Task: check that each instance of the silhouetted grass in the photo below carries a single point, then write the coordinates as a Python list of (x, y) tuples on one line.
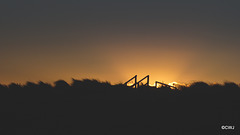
[(93, 107)]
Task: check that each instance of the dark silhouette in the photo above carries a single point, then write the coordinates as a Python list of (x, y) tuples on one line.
[(61, 84), (90, 106)]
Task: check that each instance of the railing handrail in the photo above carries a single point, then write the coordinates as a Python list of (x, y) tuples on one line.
[(164, 84), (143, 79), (135, 77)]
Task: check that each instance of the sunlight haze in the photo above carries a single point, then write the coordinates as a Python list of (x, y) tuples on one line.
[(170, 41)]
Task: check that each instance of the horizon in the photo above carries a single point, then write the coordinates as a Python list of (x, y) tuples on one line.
[(151, 82)]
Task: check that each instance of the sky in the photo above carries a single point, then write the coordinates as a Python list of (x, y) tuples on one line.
[(113, 40)]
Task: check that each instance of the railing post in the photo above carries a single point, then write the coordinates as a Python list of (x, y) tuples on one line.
[(135, 84), (147, 80)]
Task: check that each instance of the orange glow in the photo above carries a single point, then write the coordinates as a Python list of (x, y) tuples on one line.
[(172, 83), (117, 59)]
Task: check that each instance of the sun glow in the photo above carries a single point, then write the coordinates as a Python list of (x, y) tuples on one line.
[(172, 83)]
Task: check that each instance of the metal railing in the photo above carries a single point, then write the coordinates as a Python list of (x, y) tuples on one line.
[(137, 83)]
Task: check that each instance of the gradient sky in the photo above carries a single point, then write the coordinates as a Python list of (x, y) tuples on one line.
[(113, 40)]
